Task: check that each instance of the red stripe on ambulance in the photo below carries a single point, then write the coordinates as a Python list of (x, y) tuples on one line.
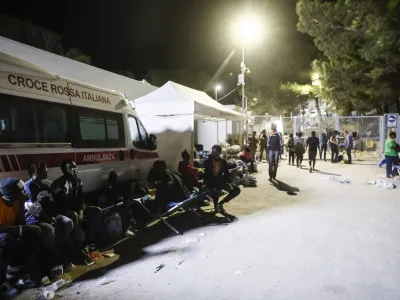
[(14, 163), (20, 162), (6, 164)]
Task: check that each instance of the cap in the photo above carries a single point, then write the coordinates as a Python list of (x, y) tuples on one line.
[(8, 187)]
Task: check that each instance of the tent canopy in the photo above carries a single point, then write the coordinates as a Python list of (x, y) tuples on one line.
[(173, 99), (75, 70)]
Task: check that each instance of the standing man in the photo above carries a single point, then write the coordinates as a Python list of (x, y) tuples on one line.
[(263, 143), (253, 142), (349, 144), (217, 178), (274, 145), (324, 144), (391, 155), (312, 144)]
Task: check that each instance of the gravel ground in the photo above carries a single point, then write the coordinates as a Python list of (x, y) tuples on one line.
[(307, 237)]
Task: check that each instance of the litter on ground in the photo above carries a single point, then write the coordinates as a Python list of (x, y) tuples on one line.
[(105, 281), (237, 273), (159, 268), (338, 180)]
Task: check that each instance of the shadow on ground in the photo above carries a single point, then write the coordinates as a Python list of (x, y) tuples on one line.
[(132, 249), (284, 187)]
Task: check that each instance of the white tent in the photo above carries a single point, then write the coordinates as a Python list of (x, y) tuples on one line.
[(170, 112), (75, 70)]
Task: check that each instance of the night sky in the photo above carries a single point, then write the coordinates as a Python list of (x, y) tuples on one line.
[(158, 34)]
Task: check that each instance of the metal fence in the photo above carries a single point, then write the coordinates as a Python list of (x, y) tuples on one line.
[(365, 129)]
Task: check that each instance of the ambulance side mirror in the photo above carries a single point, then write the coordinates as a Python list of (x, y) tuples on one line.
[(152, 142)]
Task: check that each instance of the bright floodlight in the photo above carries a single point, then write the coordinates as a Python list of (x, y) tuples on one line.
[(248, 29), (218, 87)]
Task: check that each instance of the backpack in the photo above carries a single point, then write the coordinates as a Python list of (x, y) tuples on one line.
[(111, 229)]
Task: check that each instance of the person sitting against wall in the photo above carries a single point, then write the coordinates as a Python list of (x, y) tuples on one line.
[(169, 186), (246, 157), (217, 178), (42, 210), (20, 244), (68, 194)]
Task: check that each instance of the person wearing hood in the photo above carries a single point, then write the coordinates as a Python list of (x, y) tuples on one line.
[(19, 243)]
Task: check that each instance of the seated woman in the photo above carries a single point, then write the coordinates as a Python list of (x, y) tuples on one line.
[(169, 185), (190, 174), (245, 156)]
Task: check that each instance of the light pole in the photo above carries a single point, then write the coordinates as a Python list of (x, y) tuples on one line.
[(217, 88), (248, 29)]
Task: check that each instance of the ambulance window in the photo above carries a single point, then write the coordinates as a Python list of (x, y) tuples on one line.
[(18, 120), (92, 128), (112, 129), (134, 129), (53, 124), (98, 129), (138, 134)]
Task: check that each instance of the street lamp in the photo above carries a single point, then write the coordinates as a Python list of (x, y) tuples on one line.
[(248, 29), (217, 88)]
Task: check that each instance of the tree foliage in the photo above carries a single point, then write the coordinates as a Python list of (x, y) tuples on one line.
[(39, 37), (360, 42)]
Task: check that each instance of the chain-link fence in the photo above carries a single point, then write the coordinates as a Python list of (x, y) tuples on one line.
[(366, 130)]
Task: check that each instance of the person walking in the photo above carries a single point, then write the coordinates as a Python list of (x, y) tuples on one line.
[(349, 144), (324, 144), (274, 145), (253, 143), (312, 145), (263, 143), (299, 148), (391, 155), (334, 147), (291, 149)]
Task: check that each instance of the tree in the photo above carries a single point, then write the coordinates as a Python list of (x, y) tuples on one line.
[(193, 79), (39, 37), (75, 54), (360, 43)]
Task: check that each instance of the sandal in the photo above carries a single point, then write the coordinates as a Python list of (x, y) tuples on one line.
[(25, 283), (7, 292)]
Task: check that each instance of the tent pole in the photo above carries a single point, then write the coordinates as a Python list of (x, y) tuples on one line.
[(226, 139)]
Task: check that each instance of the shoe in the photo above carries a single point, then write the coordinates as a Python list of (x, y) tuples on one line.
[(7, 291), (219, 209), (128, 233), (205, 203), (310, 170), (25, 283), (68, 267), (87, 260)]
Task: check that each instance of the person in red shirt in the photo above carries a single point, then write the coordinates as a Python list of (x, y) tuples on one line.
[(245, 156), (190, 174)]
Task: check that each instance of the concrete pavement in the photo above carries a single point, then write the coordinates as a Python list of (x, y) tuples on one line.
[(323, 240)]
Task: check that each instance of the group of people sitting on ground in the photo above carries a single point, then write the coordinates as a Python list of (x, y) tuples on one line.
[(45, 229)]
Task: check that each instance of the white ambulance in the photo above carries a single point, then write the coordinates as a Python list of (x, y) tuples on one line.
[(49, 118)]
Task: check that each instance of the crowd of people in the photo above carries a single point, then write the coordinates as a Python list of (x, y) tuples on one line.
[(274, 144), (45, 230)]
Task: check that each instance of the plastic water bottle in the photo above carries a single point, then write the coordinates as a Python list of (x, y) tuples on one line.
[(58, 285)]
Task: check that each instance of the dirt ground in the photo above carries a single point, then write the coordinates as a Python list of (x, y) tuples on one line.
[(295, 190)]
